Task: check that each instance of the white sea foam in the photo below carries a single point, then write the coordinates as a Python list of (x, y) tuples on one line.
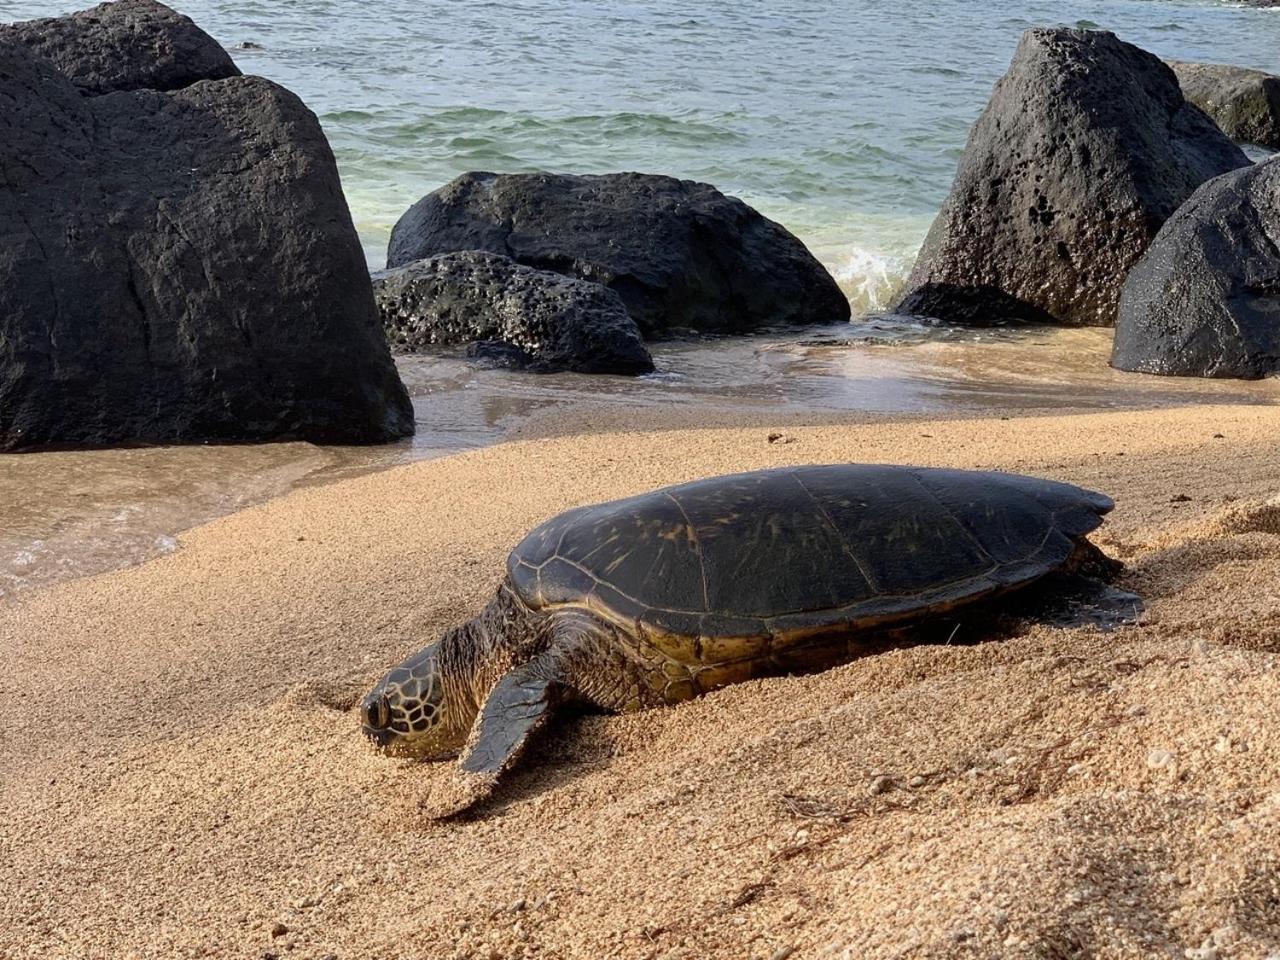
[(871, 278)]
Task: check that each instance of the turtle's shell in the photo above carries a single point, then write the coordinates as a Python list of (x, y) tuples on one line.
[(795, 551)]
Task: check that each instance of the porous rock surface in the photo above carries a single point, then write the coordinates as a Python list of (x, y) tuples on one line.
[(1204, 300), (1244, 103), (180, 267), (125, 45), (512, 314), (1085, 149), (681, 254)]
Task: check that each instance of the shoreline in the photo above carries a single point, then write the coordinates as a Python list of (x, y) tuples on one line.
[(182, 768), (78, 513)]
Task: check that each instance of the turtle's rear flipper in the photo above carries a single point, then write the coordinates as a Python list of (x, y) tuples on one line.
[(1082, 594), (1074, 600), (518, 705)]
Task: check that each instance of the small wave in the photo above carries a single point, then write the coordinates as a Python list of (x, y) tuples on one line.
[(871, 279)]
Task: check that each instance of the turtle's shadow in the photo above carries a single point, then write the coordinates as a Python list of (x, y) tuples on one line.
[(1061, 599)]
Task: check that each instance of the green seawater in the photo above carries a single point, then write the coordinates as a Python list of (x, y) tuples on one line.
[(841, 120)]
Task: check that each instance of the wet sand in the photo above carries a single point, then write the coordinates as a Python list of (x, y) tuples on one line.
[(181, 776), (76, 513)]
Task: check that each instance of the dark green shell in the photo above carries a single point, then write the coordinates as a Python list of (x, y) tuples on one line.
[(804, 548)]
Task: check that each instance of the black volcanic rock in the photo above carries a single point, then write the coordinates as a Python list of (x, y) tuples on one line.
[(1084, 150), (180, 267), (125, 45), (681, 254), (1204, 301), (544, 321), (1244, 103)]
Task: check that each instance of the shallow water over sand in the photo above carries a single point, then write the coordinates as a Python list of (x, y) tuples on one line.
[(69, 514)]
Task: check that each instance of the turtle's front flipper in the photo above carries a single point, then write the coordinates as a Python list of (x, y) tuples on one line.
[(517, 706)]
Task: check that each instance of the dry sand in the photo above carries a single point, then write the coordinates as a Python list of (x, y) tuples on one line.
[(181, 774)]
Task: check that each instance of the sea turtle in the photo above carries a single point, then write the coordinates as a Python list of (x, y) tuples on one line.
[(659, 598)]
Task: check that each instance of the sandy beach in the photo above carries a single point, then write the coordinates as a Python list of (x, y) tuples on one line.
[(181, 773)]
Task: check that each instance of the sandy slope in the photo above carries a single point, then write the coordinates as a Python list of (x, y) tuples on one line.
[(180, 773)]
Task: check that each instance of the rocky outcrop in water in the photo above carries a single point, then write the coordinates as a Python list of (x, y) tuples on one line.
[(1244, 103), (680, 254), (1084, 150), (126, 45), (178, 267), (1204, 301), (518, 316)]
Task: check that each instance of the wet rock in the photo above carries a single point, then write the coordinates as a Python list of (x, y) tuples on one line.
[(126, 45), (512, 315), (1084, 150), (180, 266), (1204, 301), (680, 254), (1244, 103)]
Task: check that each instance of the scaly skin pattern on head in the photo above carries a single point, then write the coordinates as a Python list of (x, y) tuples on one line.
[(485, 687)]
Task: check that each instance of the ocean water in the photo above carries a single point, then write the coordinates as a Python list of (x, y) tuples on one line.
[(842, 119)]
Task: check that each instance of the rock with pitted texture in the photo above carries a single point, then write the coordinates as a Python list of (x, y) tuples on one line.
[(125, 45), (1244, 103), (180, 267), (1084, 150), (682, 255), (1204, 301), (517, 316)]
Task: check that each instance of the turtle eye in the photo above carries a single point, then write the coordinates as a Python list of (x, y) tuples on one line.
[(377, 712)]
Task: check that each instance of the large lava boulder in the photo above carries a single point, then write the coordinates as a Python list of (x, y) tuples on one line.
[(1244, 103), (543, 321), (178, 267), (682, 255), (1085, 149), (126, 45), (1204, 301)]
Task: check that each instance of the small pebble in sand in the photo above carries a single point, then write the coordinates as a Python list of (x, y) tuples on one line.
[(782, 953), (880, 785), (916, 781), (780, 438), (1159, 759), (1179, 498), (278, 930)]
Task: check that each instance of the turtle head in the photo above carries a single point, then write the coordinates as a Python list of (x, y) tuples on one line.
[(410, 713)]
